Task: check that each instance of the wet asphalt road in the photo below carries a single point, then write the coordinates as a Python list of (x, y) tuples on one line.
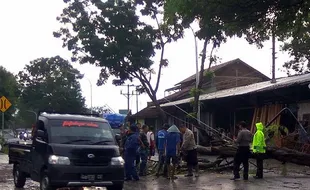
[(207, 181)]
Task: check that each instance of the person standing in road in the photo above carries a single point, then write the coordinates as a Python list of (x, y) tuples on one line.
[(172, 150), (259, 149), (189, 150), (151, 141), (243, 141), (144, 150), (131, 146), (160, 144), (123, 134), (138, 159)]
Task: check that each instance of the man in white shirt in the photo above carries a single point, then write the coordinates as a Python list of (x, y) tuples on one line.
[(151, 140)]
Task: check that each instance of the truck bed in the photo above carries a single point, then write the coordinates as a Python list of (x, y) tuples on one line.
[(21, 154)]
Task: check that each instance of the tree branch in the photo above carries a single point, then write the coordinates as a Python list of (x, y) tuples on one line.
[(203, 60), (142, 75), (160, 68), (161, 54), (144, 84), (150, 75), (211, 55)]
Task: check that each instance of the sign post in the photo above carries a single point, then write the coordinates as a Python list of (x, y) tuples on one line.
[(5, 104)]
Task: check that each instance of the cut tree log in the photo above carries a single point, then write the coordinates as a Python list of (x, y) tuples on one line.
[(224, 150), (280, 154)]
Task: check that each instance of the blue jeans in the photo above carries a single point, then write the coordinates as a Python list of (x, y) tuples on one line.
[(130, 170), (143, 156)]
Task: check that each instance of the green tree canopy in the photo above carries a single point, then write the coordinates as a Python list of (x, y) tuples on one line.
[(50, 84), (115, 38), (256, 20), (9, 89)]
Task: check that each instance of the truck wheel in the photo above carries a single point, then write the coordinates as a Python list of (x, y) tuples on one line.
[(116, 187), (19, 177), (45, 183)]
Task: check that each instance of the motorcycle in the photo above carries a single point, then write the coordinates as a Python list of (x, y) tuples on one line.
[(23, 136)]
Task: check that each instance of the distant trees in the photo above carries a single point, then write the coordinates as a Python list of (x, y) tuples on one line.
[(9, 89), (49, 84)]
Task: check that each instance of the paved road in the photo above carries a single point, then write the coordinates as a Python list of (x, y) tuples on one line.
[(207, 181)]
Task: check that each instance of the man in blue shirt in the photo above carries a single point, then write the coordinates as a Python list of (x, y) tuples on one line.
[(172, 149), (131, 146), (160, 144)]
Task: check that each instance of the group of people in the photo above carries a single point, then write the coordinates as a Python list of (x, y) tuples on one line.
[(171, 142), (175, 143), (243, 140)]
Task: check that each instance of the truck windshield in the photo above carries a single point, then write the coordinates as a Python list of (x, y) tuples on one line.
[(80, 132)]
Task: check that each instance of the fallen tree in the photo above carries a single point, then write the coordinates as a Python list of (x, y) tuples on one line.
[(280, 154)]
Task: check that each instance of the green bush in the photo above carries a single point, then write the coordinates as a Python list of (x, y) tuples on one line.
[(1, 141), (274, 131), (4, 149)]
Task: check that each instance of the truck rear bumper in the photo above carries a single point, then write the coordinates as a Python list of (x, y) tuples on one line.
[(86, 176)]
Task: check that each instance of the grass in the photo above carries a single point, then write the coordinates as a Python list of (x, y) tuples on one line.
[(5, 149)]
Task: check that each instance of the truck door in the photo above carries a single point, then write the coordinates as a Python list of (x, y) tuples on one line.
[(39, 151)]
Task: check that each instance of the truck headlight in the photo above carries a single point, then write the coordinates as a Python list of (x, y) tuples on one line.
[(117, 161), (59, 160)]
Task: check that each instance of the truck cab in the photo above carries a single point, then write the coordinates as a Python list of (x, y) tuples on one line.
[(69, 150)]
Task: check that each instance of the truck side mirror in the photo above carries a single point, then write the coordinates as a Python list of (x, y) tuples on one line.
[(118, 137), (40, 134)]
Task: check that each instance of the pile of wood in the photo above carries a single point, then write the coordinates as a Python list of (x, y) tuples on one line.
[(265, 114)]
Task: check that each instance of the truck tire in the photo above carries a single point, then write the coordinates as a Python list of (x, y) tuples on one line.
[(45, 183), (116, 187), (19, 177)]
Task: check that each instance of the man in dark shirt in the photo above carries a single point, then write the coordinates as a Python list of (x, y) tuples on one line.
[(138, 159), (243, 141), (144, 150), (131, 145)]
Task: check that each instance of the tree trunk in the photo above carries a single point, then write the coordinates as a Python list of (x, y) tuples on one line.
[(280, 154), (202, 132), (201, 73), (162, 113)]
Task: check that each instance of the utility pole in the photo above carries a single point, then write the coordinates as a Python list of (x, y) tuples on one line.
[(273, 67), (127, 95), (136, 93), (197, 79)]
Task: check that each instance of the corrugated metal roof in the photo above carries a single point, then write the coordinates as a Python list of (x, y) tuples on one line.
[(257, 87)]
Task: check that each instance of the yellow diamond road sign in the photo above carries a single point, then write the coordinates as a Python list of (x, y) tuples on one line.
[(5, 104)]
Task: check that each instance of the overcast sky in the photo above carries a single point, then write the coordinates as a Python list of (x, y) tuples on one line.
[(26, 34)]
